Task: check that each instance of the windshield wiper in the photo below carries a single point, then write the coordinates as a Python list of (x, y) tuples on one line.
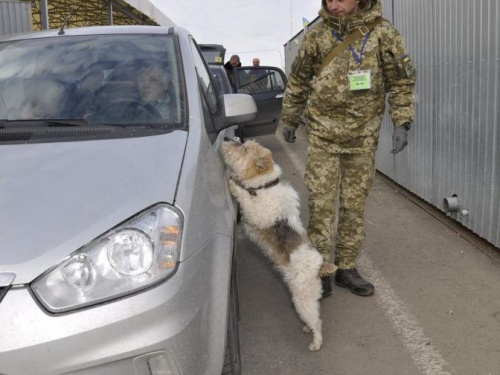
[(58, 123), (31, 123)]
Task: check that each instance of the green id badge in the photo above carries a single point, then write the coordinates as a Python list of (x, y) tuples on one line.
[(360, 80)]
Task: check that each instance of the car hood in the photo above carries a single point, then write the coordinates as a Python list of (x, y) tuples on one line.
[(56, 197)]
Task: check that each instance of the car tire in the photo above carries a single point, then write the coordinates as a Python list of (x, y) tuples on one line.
[(232, 359)]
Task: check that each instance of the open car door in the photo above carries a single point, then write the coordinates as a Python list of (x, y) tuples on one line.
[(266, 84)]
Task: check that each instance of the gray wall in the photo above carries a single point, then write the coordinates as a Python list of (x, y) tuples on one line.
[(15, 17), (454, 145)]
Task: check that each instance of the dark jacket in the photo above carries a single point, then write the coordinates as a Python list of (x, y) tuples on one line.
[(230, 72)]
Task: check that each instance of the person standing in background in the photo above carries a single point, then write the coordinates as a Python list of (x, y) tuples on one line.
[(234, 62)]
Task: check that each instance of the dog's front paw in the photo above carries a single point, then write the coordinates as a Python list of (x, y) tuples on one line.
[(232, 186)]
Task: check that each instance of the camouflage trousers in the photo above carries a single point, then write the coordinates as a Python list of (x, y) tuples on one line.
[(337, 182)]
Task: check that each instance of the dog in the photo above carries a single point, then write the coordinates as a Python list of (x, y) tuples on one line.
[(270, 210)]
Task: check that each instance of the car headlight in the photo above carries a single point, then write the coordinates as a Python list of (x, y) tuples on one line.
[(135, 255)]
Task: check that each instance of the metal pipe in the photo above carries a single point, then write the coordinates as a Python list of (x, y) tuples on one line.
[(110, 12), (451, 204), (119, 7), (44, 15)]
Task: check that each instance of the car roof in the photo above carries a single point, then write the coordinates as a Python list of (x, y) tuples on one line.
[(97, 30)]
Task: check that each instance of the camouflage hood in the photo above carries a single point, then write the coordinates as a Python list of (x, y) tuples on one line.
[(347, 24)]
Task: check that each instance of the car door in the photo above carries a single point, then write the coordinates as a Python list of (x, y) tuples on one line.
[(266, 84), (212, 120)]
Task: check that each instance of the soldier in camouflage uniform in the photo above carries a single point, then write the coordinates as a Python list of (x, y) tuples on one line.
[(343, 124)]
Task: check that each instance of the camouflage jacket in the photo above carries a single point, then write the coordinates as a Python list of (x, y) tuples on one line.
[(350, 119)]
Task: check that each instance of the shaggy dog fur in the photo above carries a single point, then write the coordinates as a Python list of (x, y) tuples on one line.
[(271, 219)]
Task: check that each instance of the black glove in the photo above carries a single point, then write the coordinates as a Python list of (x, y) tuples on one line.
[(289, 134), (399, 138)]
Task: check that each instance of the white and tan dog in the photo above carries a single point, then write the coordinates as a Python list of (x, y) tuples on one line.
[(271, 219)]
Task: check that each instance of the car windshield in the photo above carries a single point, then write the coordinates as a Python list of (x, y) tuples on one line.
[(123, 80), (212, 56), (213, 53)]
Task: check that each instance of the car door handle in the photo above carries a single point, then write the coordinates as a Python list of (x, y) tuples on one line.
[(280, 96)]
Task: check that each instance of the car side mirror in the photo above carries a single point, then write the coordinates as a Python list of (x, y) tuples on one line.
[(239, 108)]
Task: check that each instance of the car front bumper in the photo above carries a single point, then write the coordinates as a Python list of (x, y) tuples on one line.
[(177, 326)]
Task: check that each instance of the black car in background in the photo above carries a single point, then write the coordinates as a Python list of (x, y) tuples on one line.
[(266, 84)]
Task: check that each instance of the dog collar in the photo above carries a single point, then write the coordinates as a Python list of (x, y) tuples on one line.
[(253, 190)]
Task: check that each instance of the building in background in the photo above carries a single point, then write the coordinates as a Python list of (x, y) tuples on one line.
[(21, 16), (453, 157), (15, 17)]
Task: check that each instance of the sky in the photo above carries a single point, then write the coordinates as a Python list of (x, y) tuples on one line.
[(250, 28)]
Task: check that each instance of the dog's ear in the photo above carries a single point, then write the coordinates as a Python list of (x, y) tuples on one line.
[(261, 163)]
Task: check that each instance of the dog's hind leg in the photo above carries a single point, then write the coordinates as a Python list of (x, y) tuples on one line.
[(301, 275), (308, 311)]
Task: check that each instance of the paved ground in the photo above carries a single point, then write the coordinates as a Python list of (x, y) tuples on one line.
[(436, 310)]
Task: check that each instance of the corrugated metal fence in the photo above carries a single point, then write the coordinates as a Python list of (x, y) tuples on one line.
[(454, 145), (15, 17)]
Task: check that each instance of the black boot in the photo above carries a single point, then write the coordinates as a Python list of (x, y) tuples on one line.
[(326, 284), (350, 278)]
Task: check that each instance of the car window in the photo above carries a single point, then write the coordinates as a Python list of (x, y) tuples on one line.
[(213, 53), (208, 93), (212, 57), (258, 80), (104, 79), (204, 78), (221, 79), (277, 81)]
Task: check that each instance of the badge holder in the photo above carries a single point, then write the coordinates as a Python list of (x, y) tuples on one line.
[(360, 80)]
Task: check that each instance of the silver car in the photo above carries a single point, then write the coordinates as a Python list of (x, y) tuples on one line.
[(116, 224)]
